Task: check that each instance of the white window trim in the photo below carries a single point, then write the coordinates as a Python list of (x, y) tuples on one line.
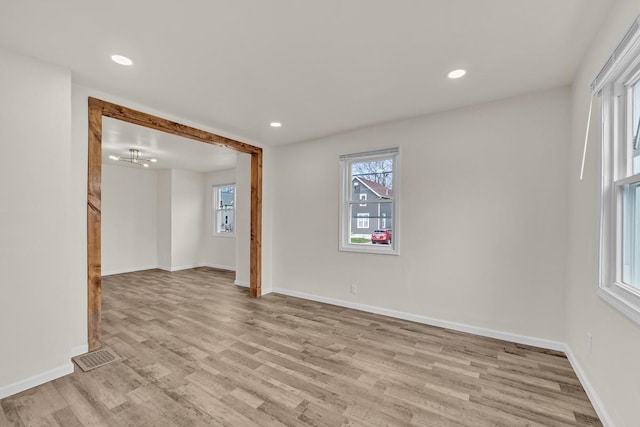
[(346, 160), (611, 85), (216, 209), (362, 198)]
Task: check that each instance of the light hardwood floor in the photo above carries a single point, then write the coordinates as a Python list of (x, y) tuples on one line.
[(197, 351)]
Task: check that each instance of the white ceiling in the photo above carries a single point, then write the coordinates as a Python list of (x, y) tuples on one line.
[(172, 152), (320, 67)]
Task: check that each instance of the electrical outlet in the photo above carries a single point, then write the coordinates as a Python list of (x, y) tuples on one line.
[(354, 288), (589, 342)]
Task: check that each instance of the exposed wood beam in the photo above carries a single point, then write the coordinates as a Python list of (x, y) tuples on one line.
[(98, 109)]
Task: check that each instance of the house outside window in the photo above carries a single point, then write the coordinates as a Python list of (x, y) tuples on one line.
[(372, 226), (363, 220), (617, 88), (224, 210)]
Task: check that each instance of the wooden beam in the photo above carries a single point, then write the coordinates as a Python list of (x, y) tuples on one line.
[(94, 256), (99, 108), (147, 120), (255, 268)]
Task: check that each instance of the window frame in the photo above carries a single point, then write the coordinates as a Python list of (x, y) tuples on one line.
[(346, 162), (216, 203), (614, 88)]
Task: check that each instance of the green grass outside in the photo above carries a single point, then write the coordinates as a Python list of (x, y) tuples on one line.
[(360, 240)]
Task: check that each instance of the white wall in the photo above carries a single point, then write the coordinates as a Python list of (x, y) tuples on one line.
[(129, 210), (187, 218), (163, 230), (35, 286), (217, 250), (483, 217), (243, 218), (613, 366)]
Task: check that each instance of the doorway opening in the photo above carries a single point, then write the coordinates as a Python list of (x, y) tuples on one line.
[(99, 109)]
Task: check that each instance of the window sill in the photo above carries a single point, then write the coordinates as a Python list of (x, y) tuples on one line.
[(224, 235), (380, 250), (622, 302)]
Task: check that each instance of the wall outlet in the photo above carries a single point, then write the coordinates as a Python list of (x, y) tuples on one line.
[(589, 342), (354, 288)]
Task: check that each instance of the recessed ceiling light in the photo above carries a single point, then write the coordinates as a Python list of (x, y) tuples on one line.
[(456, 74), (153, 160), (146, 165), (112, 157), (122, 60), (276, 124)]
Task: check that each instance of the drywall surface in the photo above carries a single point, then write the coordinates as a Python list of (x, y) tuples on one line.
[(612, 365), (243, 217), (187, 218), (129, 211), (35, 285), (483, 217), (163, 225), (217, 250)]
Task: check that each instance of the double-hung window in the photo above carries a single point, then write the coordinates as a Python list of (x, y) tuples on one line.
[(224, 201), (618, 90), (369, 192)]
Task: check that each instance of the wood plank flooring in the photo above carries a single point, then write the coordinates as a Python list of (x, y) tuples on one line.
[(197, 351)]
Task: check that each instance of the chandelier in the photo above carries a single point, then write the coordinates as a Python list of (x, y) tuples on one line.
[(134, 158)]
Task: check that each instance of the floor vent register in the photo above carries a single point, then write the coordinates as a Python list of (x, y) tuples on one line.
[(96, 359)]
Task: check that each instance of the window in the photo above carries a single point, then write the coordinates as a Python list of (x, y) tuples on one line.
[(363, 220), (618, 89), (372, 176), (224, 201)]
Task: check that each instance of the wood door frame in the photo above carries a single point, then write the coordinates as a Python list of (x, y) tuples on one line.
[(98, 109)]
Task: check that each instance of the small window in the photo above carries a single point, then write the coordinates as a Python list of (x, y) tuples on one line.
[(224, 201), (363, 220), (372, 177), (618, 90)]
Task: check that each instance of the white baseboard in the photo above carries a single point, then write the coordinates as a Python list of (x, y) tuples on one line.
[(165, 268), (184, 267), (219, 266), (604, 416), (36, 380), (127, 270), (81, 349), (181, 267), (491, 333), (265, 291)]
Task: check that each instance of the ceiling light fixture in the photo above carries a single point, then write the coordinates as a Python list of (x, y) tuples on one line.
[(456, 74), (134, 158), (122, 60), (276, 124)]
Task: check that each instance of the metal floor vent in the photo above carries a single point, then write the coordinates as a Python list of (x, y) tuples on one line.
[(95, 359)]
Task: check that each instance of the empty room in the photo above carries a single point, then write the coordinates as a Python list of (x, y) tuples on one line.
[(325, 213)]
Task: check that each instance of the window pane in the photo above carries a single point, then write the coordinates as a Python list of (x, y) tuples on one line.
[(371, 224), (225, 197), (223, 205), (372, 179), (631, 235), (635, 120), (225, 220)]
